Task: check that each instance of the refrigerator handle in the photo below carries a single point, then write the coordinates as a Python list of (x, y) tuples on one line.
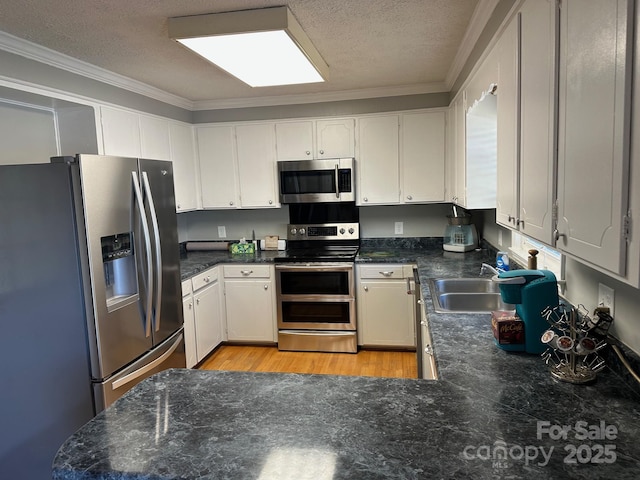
[(148, 367), (147, 244), (158, 259)]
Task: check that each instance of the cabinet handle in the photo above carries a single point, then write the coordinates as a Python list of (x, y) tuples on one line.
[(420, 302), (386, 274), (270, 202), (308, 152), (428, 350), (246, 272), (409, 290), (409, 197), (190, 305), (519, 222), (207, 279), (266, 287), (198, 302), (365, 199), (321, 152), (231, 203), (366, 289), (557, 235)]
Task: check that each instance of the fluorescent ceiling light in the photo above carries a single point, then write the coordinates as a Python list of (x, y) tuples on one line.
[(262, 48)]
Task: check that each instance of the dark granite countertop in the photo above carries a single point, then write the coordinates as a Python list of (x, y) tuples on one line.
[(492, 414)]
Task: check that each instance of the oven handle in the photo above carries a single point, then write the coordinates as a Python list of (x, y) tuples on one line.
[(315, 333), (337, 182), (331, 267)]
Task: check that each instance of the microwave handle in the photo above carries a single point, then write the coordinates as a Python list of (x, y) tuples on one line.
[(337, 182)]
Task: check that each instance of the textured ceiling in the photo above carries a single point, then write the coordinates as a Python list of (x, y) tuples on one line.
[(368, 44)]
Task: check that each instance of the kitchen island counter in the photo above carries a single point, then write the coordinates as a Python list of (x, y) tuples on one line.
[(492, 414)]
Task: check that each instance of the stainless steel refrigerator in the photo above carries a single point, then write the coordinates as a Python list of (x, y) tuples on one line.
[(90, 298)]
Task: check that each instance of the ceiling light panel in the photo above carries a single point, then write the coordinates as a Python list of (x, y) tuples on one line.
[(263, 47)]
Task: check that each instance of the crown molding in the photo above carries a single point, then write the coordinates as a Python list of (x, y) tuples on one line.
[(481, 15), (59, 60), (322, 97)]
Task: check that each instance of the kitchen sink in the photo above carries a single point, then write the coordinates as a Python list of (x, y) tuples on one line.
[(466, 295)]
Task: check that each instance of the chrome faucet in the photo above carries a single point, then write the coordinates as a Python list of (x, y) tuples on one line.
[(488, 268)]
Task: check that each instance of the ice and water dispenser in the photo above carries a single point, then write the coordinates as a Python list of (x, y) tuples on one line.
[(119, 270)]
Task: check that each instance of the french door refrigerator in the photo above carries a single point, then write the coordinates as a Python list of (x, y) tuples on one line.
[(90, 295)]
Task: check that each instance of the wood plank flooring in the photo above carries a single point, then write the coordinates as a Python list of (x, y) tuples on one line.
[(368, 363)]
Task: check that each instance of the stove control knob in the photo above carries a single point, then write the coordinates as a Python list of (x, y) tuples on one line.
[(351, 230), (302, 231), (293, 231), (342, 230)]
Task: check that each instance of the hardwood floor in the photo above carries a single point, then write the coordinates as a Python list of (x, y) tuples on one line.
[(368, 363)]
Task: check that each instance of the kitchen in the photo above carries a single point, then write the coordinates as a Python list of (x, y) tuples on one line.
[(28, 82)]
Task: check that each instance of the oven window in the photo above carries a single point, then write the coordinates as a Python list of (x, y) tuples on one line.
[(313, 181), (314, 283), (316, 312)]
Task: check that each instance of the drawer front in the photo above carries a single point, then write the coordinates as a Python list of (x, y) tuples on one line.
[(381, 271), (204, 278), (247, 271), (186, 287)]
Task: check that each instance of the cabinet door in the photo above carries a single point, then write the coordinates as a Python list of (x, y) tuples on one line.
[(294, 140), (154, 138), (184, 167), (507, 190), (537, 118), (458, 129), (378, 162), (249, 305), (257, 165), (335, 138), (189, 331), (595, 66), (422, 158), (217, 159), (386, 313), (207, 319), (120, 132)]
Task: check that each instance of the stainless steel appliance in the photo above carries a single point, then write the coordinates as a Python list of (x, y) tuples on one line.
[(90, 299), (315, 280), (310, 181)]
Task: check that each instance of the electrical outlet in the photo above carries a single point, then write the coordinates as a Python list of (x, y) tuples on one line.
[(399, 228), (222, 231), (606, 297)]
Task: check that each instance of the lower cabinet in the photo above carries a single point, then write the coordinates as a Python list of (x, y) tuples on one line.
[(250, 303), (386, 312), (427, 368), (202, 316)]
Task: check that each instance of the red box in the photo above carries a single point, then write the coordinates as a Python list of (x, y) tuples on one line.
[(508, 328)]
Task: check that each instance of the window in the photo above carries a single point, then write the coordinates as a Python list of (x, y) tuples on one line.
[(548, 258)]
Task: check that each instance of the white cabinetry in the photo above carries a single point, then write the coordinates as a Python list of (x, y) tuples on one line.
[(250, 303), (314, 139), (386, 312), (183, 156), (378, 160), (154, 138), (526, 121), (401, 158), (455, 173), (237, 166), (120, 132), (201, 303), (256, 155), (422, 156), (594, 121)]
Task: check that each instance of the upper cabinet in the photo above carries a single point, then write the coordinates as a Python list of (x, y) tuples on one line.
[(594, 124), (182, 144), (130, 134), (313, 139), (237, 166), (401, 158), (527, 57)]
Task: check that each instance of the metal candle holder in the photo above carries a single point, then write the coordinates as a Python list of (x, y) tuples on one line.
[(574, 342)]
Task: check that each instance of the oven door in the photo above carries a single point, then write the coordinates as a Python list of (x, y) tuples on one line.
[(316, 296), (313, 181)]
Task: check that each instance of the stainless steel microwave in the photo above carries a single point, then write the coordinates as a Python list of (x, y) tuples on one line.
[(315, 181)]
